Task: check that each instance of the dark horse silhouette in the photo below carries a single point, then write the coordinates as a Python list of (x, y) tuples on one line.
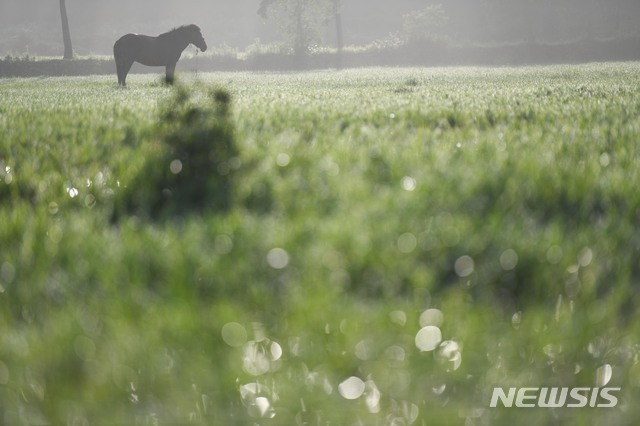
[(163, 50)]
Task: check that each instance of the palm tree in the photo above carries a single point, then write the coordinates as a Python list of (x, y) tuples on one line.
[(66, 35)]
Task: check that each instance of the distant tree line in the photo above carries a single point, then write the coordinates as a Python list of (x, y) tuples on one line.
[(408, 54), (302, 23)]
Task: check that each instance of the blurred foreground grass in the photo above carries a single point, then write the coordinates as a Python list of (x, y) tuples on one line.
[(394, 244)]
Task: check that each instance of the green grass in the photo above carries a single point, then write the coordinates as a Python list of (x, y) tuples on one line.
[(504, 198)]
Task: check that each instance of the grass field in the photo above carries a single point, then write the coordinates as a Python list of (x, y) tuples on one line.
[(375, 246)]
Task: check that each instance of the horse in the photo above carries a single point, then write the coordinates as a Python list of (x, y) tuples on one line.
[(163, 50)]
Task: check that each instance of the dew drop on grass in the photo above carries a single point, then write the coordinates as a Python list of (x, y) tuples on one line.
[(100, 179), (398, 317), (428, 338), (573, 269), (439, 390), (263, 405), (255, 360), (603, 375), (351, 388), (409, 412), (408, 183), (255, 397), (283, 160), (175, 166), (364, 349), (90, 201), (431, 317), (223, 244), (585, 257), (6, 174), (450, 355), (516, 319), (395, 353), (234, 334), (509, 260), (464, 266), (372, 397), (276, 351), (260, 357), (407, 243), (278, 258), (597, 347), (73, 192)]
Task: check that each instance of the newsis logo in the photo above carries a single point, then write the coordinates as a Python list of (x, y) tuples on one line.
[(553, 397)]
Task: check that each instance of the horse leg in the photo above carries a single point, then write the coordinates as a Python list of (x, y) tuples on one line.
[(170, 70), (123, 65), (119, 67)]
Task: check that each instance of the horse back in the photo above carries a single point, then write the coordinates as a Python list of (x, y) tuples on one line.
[(141, 48)]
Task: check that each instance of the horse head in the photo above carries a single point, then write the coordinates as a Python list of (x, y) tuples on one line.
[(196, 37)]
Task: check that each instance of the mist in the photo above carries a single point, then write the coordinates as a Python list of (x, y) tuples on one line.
[(32, 27)]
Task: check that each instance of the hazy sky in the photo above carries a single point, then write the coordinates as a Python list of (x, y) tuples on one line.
[(96, 24), (33, 26)]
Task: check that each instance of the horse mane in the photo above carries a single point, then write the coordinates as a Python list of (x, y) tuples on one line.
[(181, 29)]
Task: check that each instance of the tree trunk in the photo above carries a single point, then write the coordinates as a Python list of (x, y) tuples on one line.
[(66, 35)]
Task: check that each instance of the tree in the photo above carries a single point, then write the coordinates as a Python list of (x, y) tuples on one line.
[(300, 22), (422, 24), (66, 34)]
